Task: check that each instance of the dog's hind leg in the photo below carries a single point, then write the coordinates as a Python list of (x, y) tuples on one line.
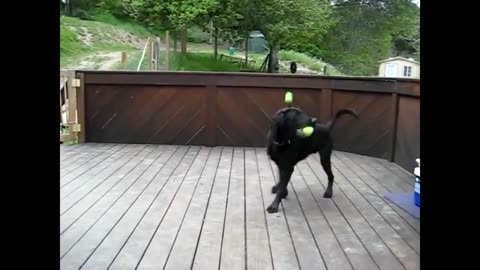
[(281, 189), (325, 157)]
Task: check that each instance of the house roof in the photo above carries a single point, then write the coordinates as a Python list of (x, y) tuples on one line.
[(399, 58)]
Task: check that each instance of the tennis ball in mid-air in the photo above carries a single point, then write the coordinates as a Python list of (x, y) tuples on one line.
[(288, 97)]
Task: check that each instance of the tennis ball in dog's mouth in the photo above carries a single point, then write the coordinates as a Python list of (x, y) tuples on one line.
[(307, 131), (288, 97)]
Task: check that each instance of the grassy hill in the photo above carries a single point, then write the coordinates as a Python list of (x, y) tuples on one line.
[(98, 43)]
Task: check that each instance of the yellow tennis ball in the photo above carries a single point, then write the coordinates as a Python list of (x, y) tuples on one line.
[(307, 131), (288, 97)]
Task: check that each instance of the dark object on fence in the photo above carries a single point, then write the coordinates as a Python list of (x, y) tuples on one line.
[(293, 67), (324, 70)]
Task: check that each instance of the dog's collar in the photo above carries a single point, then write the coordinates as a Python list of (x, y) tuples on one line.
[(282, 144)]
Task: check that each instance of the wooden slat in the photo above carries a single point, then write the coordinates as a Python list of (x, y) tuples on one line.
[(306, 246), (79, 253), (282, 247), (207, 254), (332, 253), (103, 181), (233, 245), (158, 249), (394, 123), (355, 174), (81, 108), (354, 249), (107, 250), (86, 213), (407, 256), (168, 207), (72, 175), (246, 80), (259, 254), (132, 251), (383, 256), (182, 253), (87, 181), (73, 156)]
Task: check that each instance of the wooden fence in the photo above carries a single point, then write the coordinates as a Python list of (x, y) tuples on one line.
[(234, 109)]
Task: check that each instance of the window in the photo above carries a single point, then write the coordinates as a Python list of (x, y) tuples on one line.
[(407, 71), (390, 70)]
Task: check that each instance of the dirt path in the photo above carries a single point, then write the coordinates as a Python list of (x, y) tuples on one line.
[(98, 61)]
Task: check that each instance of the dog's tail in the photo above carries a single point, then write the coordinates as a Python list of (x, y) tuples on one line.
[(341, 112)]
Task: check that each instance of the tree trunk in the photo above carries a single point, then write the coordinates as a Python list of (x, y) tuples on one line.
[(273, 66), (183, 37), (215, 45), (246, 49), (175, 43)]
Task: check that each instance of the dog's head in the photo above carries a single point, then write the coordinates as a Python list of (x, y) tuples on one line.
[(285, 124)]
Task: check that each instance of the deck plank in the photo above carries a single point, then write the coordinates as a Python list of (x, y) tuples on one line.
[(158, 250), (106, 251), (89, 208), (354, 249), (394, 241), (207, 255), (83, 168), (171, 177), (125, 206), (381, 190), (233, 245), (328, 244), (377, 248), (182, 253), (259, 255), (77, 160), (355, 177), (107, 211), (283, 249), (308, 253), (88, 180)]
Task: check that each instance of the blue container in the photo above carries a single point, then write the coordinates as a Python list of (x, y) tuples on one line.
[(417, 184)]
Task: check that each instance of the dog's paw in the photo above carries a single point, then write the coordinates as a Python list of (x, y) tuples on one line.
[(274, 189), (272, 208), (327, 195)]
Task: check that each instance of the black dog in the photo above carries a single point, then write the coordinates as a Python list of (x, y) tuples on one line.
[(286, 147)]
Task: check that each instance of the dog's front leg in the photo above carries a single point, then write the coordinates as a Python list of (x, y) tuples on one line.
[(281, 190)]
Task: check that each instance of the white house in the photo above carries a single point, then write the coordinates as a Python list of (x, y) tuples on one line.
[(399, 67)]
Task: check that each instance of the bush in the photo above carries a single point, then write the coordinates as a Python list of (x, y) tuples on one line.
[(82, 15), (196, 35)]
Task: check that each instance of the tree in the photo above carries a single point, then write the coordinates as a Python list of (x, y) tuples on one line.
[(365, 33), (286, 21), (175, 15)]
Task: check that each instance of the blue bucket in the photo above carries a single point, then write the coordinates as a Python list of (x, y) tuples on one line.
[(417, 184)]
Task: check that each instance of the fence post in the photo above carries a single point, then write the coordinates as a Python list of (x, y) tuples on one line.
[(81, 108), (72, 85), (150, 55), (327, 100), (211, 114), (394, 123), (124, 60)]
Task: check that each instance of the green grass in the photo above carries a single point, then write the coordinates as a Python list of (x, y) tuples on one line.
[(200, 61), (110, 35), (128, 26), (308, 61)]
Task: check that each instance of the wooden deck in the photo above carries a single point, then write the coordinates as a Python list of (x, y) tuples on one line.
[(182, 207)]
